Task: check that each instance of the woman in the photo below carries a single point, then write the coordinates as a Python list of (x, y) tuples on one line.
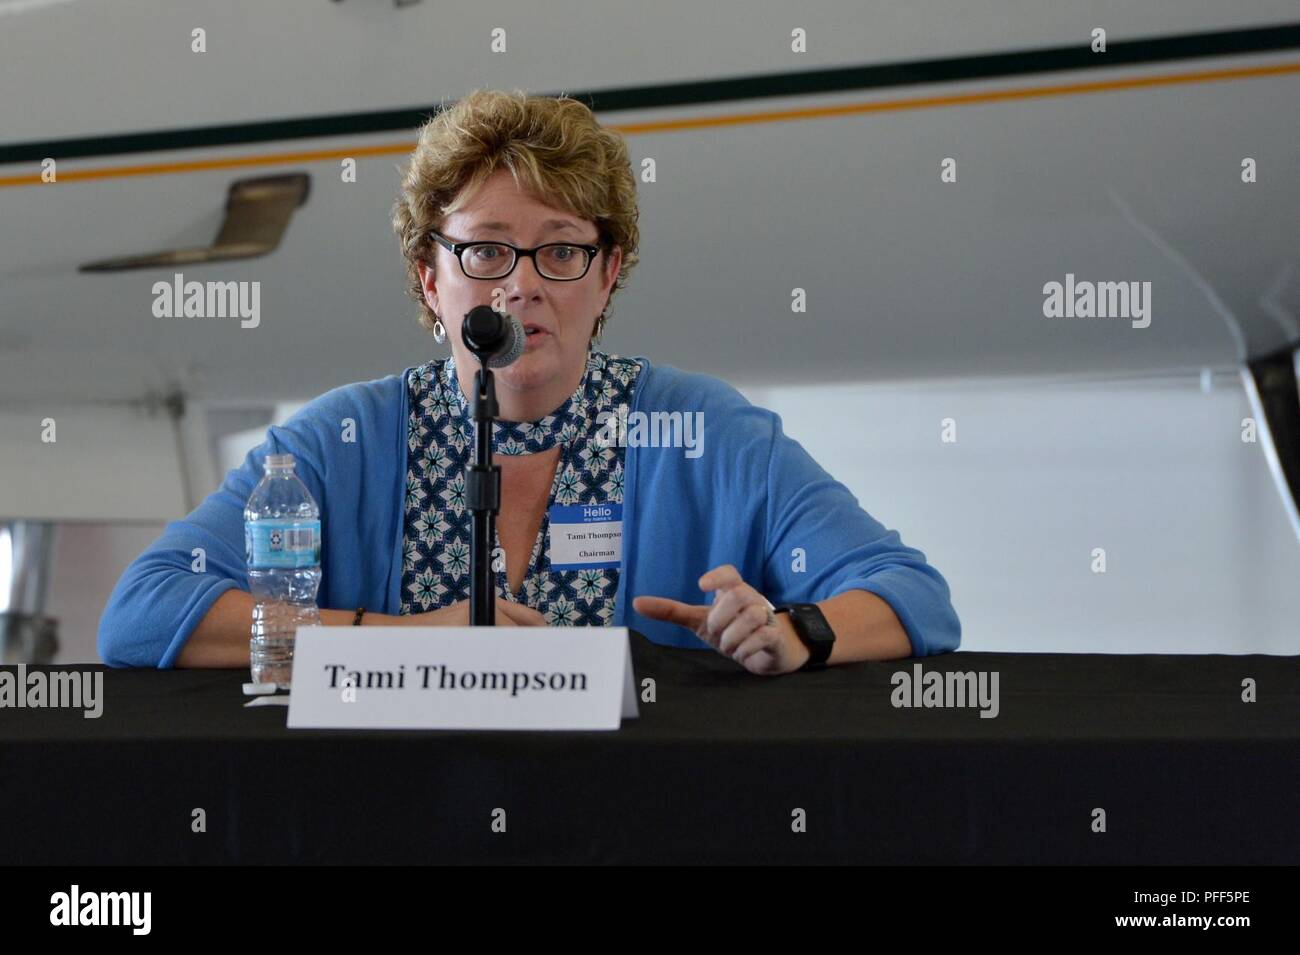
[(527, 204)]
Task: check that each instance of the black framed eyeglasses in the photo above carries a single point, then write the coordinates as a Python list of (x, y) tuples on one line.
[(558, 261)]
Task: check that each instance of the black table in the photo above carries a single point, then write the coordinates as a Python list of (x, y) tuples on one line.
[(712, 771)]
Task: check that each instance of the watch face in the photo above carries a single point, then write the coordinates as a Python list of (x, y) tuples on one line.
[(811, 624)]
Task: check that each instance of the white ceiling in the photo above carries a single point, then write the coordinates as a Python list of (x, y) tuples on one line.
[(906, 277)]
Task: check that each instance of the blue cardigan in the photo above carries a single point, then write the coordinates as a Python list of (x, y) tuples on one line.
[(754, 499)]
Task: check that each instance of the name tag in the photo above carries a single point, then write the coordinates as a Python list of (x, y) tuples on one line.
[(474, 678), (585, 535)]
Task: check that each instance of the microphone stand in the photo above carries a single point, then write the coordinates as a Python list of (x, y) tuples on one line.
[(483, 495)]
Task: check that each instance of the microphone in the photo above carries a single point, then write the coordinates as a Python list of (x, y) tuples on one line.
[(496, 340)]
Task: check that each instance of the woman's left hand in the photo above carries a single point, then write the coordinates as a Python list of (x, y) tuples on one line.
[(735, 624)]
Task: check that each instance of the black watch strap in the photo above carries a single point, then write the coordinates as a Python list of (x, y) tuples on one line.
[(810, 624)]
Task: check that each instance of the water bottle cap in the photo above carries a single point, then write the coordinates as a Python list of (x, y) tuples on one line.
[(279, 461)]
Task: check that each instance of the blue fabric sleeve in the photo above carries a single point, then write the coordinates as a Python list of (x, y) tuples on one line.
[(845, 548), (160, 598)]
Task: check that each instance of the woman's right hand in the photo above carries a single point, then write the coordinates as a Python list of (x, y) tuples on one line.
[(508, 614)]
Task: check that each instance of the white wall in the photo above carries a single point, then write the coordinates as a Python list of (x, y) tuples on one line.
[(1200, 555), (102, 459)]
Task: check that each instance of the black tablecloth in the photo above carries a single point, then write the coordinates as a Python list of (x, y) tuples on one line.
[(713, 771)]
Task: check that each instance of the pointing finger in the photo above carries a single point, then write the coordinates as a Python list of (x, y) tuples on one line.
[(672, 611)]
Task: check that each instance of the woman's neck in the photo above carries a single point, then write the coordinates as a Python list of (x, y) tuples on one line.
[(523, 404)]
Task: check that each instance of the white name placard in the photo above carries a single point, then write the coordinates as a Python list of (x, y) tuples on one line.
[(481, 678)]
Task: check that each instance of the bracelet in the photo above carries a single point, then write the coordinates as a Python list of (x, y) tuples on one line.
[(356, 621)]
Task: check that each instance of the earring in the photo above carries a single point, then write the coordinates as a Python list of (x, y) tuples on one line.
[(439, 330)]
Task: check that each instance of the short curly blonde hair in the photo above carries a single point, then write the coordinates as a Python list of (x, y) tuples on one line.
[(553, 147)]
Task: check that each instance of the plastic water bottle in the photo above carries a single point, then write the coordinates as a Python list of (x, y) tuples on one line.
[(282, 548)]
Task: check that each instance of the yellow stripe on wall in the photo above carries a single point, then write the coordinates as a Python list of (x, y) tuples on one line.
[(705, 122)]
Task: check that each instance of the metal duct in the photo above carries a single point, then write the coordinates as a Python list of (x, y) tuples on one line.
[(27, 635)]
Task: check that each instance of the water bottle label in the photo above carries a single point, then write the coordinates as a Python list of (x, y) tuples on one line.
[(282, 543)]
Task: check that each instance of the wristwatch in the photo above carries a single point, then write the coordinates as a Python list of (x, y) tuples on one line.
[(811, 626)]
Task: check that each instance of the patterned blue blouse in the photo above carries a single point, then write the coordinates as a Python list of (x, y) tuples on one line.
[(440, 441)]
